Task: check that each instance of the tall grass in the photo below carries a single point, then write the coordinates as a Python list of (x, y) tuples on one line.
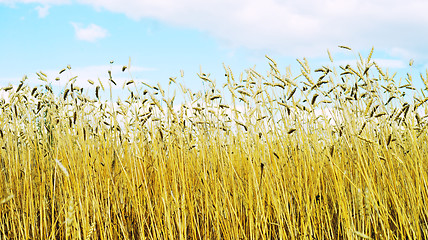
[(335, 153)]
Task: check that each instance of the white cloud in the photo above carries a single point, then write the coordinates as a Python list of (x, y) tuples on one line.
[(94, 73), (390, 63), (305, 27), (12, 3), (401, 53), (383, 63), (83, 74), (4, 81), (42, 11), (91, 33), (290, 27)]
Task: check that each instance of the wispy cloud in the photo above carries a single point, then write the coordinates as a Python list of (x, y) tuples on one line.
[(91, 33), (290, 27), (42, 11), (305, 27), (390, 63), (384, 63), (94, 73), (13, 3)]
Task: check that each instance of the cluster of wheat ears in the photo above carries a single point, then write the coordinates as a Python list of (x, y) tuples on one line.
[(337, 153)]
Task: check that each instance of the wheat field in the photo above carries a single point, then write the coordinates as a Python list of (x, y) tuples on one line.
[(334, 152)]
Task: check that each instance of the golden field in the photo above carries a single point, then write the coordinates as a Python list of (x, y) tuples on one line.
[(335, 152)]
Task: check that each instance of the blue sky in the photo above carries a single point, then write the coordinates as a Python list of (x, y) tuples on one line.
[(165, 36)]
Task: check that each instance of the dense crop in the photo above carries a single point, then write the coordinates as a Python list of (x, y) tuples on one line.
[(338, 152)]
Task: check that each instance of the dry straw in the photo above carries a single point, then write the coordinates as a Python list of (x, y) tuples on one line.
[(334, 153)]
